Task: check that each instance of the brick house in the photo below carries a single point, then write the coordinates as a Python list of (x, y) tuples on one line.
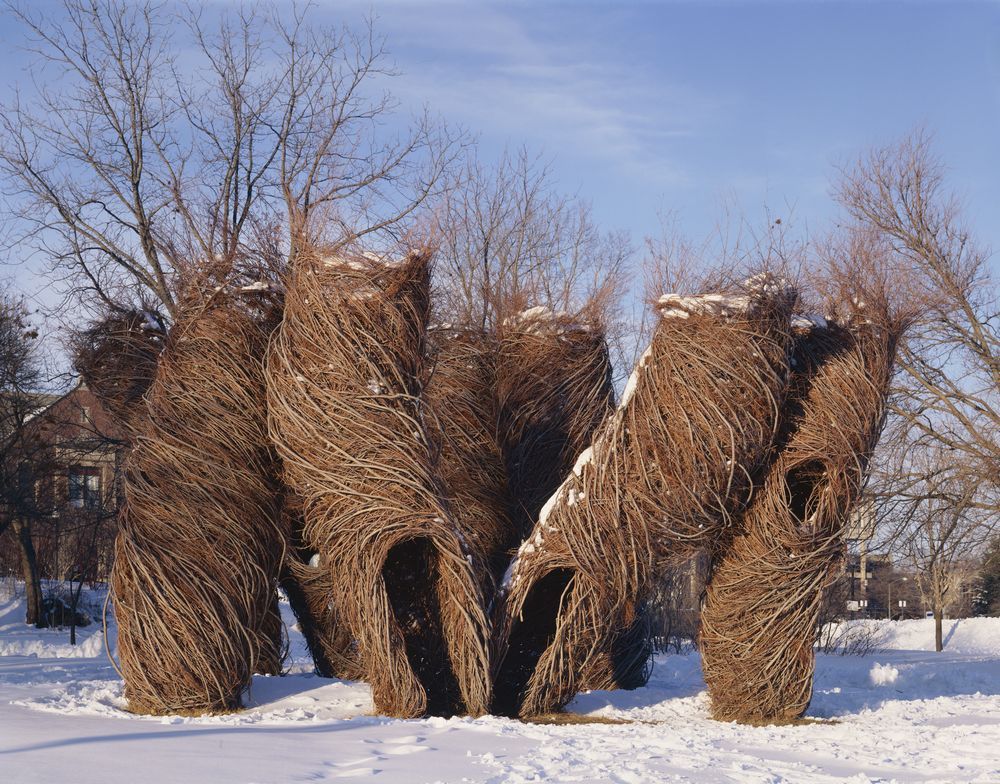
[(62, 461)]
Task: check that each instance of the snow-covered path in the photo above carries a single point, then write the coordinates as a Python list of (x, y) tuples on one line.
[(903, 714)]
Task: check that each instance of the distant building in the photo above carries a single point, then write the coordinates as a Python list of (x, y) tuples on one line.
[(857, 567), (62, 460), (873, 586)]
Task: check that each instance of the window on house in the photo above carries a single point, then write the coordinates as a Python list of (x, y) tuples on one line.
[(84, 487)]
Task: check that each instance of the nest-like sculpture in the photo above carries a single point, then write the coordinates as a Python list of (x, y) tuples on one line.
[(349, 424), (663, 478), (553, 386), (116, 358), (460, 394), (763, 599), (199, 544)]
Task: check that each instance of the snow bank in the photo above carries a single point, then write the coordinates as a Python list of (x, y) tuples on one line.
[(19, 639), (967, 636), (90, 644)]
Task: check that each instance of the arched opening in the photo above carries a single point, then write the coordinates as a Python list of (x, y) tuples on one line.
[(801, 482), (410, 574), (530, 635)]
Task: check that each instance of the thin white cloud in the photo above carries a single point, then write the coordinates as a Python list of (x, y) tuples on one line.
[(482, 66)]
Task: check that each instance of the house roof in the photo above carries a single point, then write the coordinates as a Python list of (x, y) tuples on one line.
[(30, 405)]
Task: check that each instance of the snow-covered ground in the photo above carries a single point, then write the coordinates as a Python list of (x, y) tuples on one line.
[(904, 713)]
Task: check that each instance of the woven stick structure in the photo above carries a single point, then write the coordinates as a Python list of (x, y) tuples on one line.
[(309, 588), (349, 424), (116, 357), (460, 394), (763, 599), (199, 542), (553, 385), (663, 478)]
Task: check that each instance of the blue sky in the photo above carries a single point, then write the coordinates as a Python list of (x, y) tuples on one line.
[(682, 107)]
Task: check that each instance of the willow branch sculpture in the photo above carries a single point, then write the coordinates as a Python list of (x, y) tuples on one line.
[(383, 473), (553, 387), (116, 357), (763, 598), (309, 588), (347, 418), (460, 395), (662, 479), (199, 544)]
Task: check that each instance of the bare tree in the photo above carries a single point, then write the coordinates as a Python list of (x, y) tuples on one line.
[(948, 395), (987, 601), (675, 605), (22, 452), (507, 239), (936, 475), (134, 158), (738, 246), (946, 531)]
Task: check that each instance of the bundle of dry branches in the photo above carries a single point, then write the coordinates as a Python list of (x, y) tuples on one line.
[(663, 478), (116, 357), (199, 544), (346, 415), (553, 385), (764, 596)]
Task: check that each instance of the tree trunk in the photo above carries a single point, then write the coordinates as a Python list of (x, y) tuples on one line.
[(29, 570), (938, 637), (75, 602)]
